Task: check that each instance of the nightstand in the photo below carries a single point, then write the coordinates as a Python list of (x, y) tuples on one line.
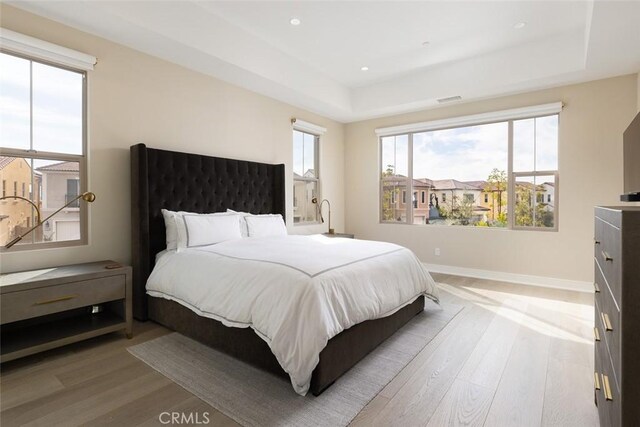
[(343, 235), (49, 308)]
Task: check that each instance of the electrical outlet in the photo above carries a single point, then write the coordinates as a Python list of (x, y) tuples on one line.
[(437, 251)]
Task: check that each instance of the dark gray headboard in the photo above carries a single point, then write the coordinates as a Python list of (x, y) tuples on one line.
[(195, 183)]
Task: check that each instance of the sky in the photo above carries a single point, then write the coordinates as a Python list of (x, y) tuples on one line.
[(471, 153), (57, 107), (303, 152)]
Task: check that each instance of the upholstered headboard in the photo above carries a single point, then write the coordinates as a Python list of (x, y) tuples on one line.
[(195, 183)]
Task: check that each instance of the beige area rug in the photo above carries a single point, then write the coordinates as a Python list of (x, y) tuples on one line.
[(256, 398)]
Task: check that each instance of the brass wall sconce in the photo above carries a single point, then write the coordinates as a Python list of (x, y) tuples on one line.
[(87, 197)]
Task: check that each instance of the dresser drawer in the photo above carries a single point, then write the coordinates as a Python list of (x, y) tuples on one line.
[(607, 321), (607, 253), (609, 398), (30, 303)]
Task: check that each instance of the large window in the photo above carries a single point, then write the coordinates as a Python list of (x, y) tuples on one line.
[(498, 174), (42, 151), (306, 179)]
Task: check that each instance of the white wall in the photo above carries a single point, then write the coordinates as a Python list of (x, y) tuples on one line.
[(590, 168), (135, 98)]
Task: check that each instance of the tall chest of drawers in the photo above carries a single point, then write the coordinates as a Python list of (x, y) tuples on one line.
[(617, 315)]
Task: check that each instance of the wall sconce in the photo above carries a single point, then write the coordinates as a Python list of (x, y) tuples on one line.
[(87, 197)]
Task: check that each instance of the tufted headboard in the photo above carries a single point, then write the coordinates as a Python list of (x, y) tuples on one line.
[(195, 183)]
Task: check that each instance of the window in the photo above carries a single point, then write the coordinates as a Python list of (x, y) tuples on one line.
[(4, 187), (422, 198), (510, 164), (306, 179), (42, 138)]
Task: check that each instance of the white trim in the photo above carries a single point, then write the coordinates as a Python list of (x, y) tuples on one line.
[(474, 119), (303, 126), (40, 49), (524, 279)]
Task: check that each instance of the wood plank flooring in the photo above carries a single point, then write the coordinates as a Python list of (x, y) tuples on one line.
[(515, 356)]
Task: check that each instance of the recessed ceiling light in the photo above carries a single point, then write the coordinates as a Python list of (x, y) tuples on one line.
[(426, 43), (519, 25), (365, 68), (294, 21)]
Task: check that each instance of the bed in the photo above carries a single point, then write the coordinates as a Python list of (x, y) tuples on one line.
[(196, 183)]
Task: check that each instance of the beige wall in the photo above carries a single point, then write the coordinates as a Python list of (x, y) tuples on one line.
[(135, 98), (590, 168), (638, 88)]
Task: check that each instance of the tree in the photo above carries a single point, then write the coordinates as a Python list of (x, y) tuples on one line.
[(388, 207), (458, 212), (497, 185), (524, 211)]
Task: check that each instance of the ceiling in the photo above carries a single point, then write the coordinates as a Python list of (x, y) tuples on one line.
[(473, 49)]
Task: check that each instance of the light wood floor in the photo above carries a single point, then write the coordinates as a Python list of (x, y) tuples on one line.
[(514, 356)]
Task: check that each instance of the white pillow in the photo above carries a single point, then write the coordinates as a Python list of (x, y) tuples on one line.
[(244, 230), (265, 225), (171, 228), (202, 230)]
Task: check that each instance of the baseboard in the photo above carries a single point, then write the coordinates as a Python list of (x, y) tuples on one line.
[(524, 279)]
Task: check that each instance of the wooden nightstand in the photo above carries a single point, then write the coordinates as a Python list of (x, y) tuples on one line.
[(343, 235), (48, 308)]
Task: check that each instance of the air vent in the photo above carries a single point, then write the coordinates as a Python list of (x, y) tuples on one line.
[(449, 99)]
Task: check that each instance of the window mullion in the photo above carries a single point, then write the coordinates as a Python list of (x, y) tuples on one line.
[(409, 185), (511, 197)]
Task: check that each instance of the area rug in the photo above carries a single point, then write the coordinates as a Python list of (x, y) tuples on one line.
[(256, 398)]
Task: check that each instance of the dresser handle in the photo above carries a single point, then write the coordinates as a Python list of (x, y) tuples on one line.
[(606, 256), (596, 381), (51, 301), (596, 334), (597, 242), (607, 322), (607, 388), (596, 287)]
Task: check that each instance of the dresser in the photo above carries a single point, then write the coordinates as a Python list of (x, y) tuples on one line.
[(617, 315), (52, 307)]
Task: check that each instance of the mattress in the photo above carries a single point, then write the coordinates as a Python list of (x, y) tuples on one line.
[(295, 292)]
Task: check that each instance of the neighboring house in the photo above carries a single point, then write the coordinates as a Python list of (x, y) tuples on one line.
[(398, 198), (17, 216), (549, 195), (60, 184), (303, 192), (452, 193)]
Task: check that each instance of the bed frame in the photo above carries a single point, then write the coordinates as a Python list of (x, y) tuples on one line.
[(197, 183)]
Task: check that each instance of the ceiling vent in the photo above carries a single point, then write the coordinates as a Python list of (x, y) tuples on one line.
[(449, 99)]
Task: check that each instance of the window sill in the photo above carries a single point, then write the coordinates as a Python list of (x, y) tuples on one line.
[(442, 226)]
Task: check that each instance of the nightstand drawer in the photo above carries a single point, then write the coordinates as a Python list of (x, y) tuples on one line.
[(30, 303)]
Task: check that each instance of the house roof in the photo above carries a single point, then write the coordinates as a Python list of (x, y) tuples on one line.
[(6, 161), (452, 184), (61, 167), (416, 183)]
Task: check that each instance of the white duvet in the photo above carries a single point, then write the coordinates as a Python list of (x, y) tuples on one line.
[(296, 292)]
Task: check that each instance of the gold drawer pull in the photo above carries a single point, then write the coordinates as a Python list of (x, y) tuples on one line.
[(606, 256), (606, 321), (596, 287), (51, 301), (596, 334), (607, 388), (596, 381)]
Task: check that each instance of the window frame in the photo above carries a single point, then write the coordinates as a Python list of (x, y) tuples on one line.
[(461, 122), (316, 167), (30, 153)]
